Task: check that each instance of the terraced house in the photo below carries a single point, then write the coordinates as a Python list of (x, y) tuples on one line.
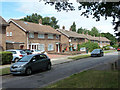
[(26, 35), (70, 39), (3, 25)]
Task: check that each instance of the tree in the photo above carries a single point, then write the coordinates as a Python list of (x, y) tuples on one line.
[(110, 37), (80, 30), (96, 9), (34, 18), (73, 27), (94, 32)]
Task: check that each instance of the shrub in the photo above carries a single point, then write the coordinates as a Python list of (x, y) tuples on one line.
[(90, 45), (5, 57)]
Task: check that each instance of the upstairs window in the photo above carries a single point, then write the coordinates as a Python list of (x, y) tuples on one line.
[(31, 35), (57, 37), (7, 34), (50, 36), (10, 33), (41, 36)]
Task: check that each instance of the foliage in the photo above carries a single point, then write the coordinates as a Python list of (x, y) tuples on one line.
[(110, 37), (6, 57), (5, 71), (90, 45), (34, 18), (73, 27)]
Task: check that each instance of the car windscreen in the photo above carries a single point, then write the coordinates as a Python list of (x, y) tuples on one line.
[(22, 52), (96, 51), (25, 59)]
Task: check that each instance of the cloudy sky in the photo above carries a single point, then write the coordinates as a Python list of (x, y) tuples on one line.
[(18, 9)]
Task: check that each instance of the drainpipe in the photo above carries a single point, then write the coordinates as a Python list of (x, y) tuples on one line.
[(27, 41)]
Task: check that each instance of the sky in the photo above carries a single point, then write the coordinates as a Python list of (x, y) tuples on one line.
[(18, 9)]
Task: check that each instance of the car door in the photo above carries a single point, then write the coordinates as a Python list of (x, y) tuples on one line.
[(44, 60), (35, 62)]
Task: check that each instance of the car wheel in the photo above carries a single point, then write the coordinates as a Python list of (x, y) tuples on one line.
[(48, 66), (28, 71), (16, 59)]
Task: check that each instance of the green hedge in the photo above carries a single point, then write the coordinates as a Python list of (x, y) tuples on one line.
[(5, 57), (89, 45)]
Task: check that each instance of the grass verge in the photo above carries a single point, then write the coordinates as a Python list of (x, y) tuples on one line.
[(110, 51), (79, 57), (4, 71), (89, 79)]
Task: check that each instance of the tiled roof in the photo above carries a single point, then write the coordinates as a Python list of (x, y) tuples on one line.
[(33, 27), (3, 22), (71, 34)]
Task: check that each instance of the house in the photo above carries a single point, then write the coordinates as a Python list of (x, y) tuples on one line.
[(27, 35), (70, 39), (3, 25)]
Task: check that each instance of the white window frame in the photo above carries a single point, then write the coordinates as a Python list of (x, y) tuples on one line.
[(7, 34), (52, 47), (10, 34), (41, 46), (50, 36), (31, 35), (41, 35)]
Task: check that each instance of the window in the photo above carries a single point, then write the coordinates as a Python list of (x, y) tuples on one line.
[(22, 52), (40, 35), (43, 56), (10, 33), (50, 36), (7, 34), (41, 47), (57, 37), (13, 52), (31, 35), (50, 47)]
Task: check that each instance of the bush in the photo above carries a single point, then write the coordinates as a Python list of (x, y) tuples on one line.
[(89, 45), (5, 57)]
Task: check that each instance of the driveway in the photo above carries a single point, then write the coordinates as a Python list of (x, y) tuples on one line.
[(58, 72)]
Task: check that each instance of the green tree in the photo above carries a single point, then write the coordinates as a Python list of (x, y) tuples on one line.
[(110, 37), (34, 18), (80, 30), (94, 31), (73, 27)]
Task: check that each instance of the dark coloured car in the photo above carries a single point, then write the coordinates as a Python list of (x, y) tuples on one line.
[(97, 52), (31, 63)]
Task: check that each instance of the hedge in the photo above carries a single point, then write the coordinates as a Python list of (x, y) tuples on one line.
[(5, 57)]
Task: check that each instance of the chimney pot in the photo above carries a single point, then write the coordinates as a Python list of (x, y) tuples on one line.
[(63, 27)]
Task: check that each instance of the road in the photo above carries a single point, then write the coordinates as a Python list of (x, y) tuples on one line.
[(57, 72)]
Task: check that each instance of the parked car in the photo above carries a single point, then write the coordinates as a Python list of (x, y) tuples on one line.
[(118, 49), (17, 54), (28, 51), (97, 52), (34, 51), (30, 63)]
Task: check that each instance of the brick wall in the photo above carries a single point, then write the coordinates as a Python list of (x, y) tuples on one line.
[(17, 34), (2, 38)]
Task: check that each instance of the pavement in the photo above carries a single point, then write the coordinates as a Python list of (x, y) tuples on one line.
[(55, 59)]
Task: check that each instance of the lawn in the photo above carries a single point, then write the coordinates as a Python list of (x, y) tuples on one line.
[(79, 57), (5, 71), (89, 79), (109, 51)]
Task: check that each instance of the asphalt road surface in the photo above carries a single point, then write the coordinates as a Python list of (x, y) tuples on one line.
[(58, 72)]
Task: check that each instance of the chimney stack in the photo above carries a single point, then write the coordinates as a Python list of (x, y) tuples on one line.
[(40, 21), (63, 27)]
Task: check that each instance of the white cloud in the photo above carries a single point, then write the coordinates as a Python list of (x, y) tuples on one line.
[(66, 18)]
